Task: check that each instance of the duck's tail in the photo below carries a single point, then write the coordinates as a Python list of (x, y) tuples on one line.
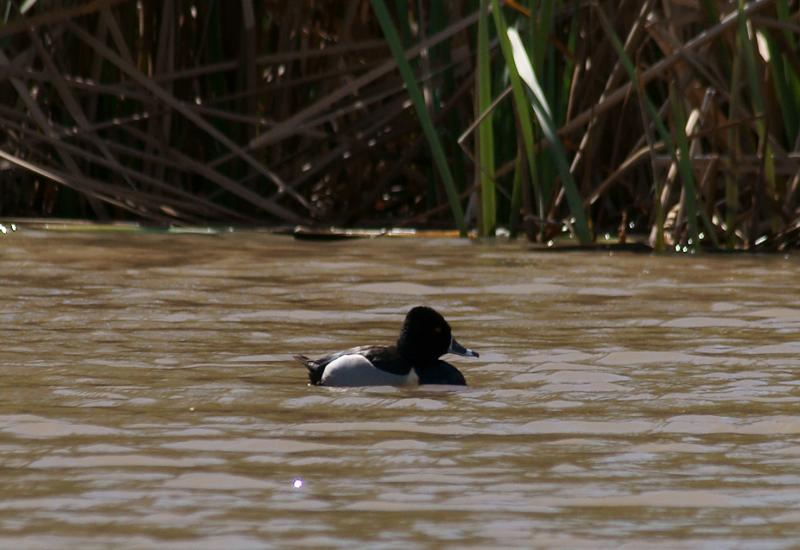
[(314, 369)]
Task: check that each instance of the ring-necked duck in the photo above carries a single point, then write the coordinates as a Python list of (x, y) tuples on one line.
[(414, 359)]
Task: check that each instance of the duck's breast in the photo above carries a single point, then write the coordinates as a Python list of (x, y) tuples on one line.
[(442, 372)]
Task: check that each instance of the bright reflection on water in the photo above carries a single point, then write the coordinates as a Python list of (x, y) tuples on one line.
[(149, 397)]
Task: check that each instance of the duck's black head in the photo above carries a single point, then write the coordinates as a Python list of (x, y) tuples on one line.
[(426, 336)]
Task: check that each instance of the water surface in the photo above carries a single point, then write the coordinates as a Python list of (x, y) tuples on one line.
[(149, 398)]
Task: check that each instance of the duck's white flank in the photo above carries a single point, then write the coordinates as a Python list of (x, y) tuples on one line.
[(356, 370)]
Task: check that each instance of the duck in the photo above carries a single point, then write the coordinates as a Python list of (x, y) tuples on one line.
[(413, 360)]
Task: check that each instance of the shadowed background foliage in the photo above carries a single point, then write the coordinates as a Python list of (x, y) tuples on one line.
[(672, 119)]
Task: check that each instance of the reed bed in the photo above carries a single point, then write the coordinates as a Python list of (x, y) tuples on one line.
[(676, 121)]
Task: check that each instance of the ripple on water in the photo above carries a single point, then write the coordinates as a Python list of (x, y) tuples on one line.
[(249, 445), (36, 427), (216, 482)]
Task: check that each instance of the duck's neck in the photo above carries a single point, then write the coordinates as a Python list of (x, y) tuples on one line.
[(412, 353)]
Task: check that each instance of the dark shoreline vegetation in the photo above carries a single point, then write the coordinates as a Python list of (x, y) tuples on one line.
[(636, 243), (679, 121)]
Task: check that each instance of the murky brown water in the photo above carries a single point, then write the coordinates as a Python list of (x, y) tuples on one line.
[(149, 398)]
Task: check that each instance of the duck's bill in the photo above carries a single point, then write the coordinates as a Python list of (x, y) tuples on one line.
[(458, 349)]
